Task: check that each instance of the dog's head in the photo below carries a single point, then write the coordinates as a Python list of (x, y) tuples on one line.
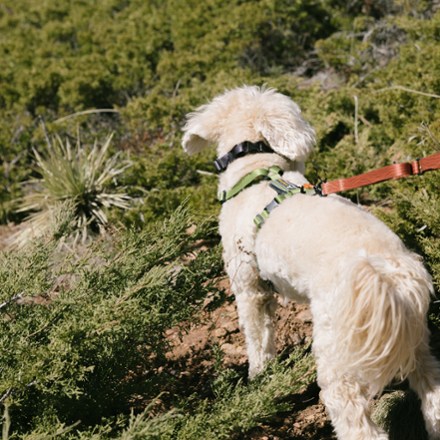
[(250, 114)]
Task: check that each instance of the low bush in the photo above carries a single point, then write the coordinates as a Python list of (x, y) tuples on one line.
[(80, 336)]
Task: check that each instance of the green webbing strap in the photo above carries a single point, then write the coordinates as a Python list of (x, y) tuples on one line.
[(284, 190), (271, 173)]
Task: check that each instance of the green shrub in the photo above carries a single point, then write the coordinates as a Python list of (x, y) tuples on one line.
[(82, 335)]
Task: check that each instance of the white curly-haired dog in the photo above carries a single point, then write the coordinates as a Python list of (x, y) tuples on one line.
[(368, 294)]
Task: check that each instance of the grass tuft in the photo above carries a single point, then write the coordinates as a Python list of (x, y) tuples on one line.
[(84, 178)]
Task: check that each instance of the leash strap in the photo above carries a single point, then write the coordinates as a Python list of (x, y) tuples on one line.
[(397, 171), (241, 150)]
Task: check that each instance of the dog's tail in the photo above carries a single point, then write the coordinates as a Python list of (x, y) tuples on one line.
[(382, 317)]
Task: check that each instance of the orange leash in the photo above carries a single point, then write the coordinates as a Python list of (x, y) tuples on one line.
[(397, 171)]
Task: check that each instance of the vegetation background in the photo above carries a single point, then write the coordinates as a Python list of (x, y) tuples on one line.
[(101, 260)]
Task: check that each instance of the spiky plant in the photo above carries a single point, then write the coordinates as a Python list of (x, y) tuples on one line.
[(81, 176)]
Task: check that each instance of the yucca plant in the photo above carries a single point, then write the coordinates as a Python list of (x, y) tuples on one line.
[(79, 176)]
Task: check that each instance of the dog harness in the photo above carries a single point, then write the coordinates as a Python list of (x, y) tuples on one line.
[(283, 188), (249, 179)]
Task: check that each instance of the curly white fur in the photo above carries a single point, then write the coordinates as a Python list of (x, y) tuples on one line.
[(368, 294)]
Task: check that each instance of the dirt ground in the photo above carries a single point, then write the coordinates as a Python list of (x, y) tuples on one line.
[(218, 326)]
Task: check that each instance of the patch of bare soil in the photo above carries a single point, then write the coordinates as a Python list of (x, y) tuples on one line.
[(218, 327), (6, 231)]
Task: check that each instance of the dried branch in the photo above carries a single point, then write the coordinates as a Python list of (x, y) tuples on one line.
[(86, 112), (6, 395), (356, 119), (15, 298), (6, 423), (406, 89)]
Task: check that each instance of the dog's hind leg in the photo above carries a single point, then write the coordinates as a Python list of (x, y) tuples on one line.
[(425, 381), (256, 310), (347, 403), (345, 395)]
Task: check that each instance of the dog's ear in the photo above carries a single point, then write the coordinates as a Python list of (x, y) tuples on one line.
[(197, 130), (193, 143), (286, 131), (193, 140)]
